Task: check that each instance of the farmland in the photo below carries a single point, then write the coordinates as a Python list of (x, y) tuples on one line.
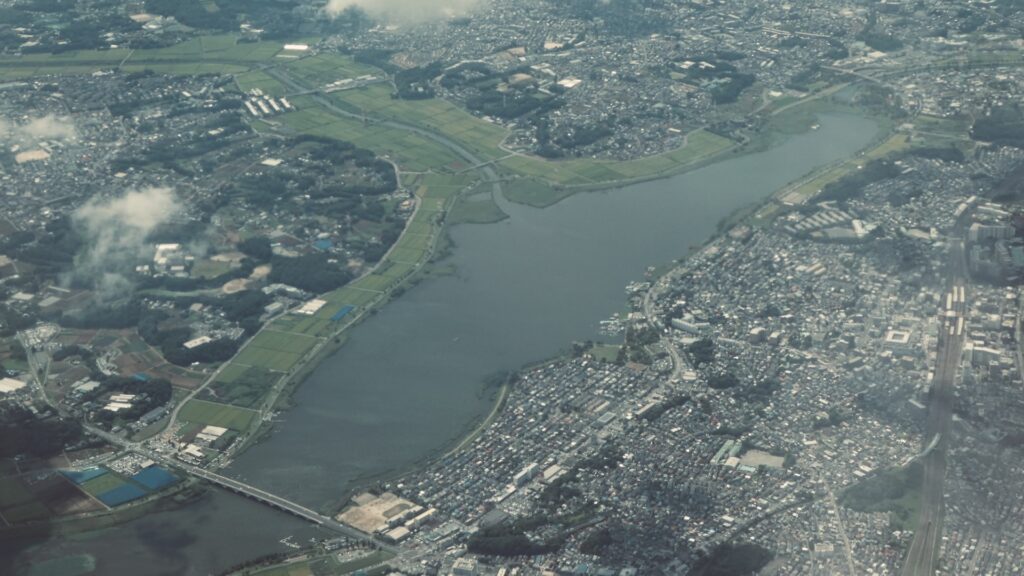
[(215, 414)]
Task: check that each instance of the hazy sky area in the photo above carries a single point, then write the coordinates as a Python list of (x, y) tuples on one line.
[(407, 10), (115, 231)]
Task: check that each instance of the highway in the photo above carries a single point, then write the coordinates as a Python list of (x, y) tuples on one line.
[(923, 556)]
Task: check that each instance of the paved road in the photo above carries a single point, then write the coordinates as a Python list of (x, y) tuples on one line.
[(923, 556)]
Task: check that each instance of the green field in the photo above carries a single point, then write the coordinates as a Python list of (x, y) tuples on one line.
[(476, 208), (437, 115), (605, 352), (324, 69), (700, 146), (240, 385), (13, 493), (277, 351), (411, 151), (534, 192), (104, 483), (25, 512), (210, 268), (216, 414)]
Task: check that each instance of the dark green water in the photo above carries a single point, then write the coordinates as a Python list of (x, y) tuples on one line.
[(409, 380)]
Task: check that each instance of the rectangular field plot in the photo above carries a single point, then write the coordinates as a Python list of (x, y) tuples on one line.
[(216, 414), (101, 484), (419, 227), (407, 254), (258, 79), (374, 282), (398, 271), (243, 386), (26, 512), (284, 342), (62, 497), (278, 360), (13, 492)]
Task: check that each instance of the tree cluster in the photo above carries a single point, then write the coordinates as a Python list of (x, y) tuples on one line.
[(702, 352), (310, 272), (1003, 125), (854, 183), (22, 432)]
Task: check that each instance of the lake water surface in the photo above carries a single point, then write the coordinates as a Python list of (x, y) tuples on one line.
[(408, 382)]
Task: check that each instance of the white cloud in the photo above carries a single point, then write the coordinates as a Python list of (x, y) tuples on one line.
[(115, 231), (49, 127), (406, 11)]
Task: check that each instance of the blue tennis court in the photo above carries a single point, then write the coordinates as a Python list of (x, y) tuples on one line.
[(81, 477), (342, 313), (120, 495), (155, 478)]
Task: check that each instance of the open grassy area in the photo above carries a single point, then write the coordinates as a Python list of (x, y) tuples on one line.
[(258, 79), (104, 483), (27, 512), (701, 145), (13, 492), (275, 350), (479, 136), (476, 209), (323, 69), (534, 192), (18, 504), (217, 414), (240, 385), (210, 268), (412, 152), (605, 352)]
